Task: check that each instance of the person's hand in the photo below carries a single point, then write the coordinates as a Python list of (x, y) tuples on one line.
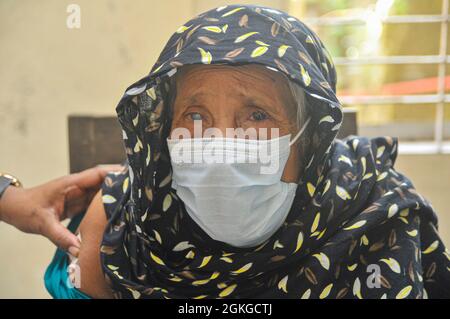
[(40, 209)]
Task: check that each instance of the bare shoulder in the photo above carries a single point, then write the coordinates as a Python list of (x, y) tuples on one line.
[(91, 232)]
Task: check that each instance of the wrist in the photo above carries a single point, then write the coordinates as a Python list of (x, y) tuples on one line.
[(9, 186), (6, 202)]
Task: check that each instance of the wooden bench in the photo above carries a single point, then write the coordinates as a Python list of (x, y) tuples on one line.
[(97, 140)]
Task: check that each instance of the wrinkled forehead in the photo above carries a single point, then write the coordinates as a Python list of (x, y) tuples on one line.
[(252, 77), (253, 83), (251, 70)]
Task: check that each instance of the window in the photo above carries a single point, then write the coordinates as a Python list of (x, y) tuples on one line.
[(391, 57)]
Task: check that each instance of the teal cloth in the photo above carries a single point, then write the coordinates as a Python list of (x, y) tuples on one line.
[(56, 276)]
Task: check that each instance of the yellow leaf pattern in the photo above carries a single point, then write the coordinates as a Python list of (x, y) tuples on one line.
[(227, 291), (431, 248), (205, 261), (259, 51), (311, 189), (157, 259), (167, 202), (214, 29), (342, 193), (323, 259), (245, 36), (282, 284), (108, 199), (315, 223), (357, 288), (404, 292), (232, 12), (282, 50), (299, 242), (352, 209), (305, 76), (356, 225), (393, 264), (242, 269), (326, 291), (206, 56)]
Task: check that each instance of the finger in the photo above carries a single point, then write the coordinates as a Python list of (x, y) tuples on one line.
[(77, 201), (60, 235), (77, 204), (107, 168), (91, 179)]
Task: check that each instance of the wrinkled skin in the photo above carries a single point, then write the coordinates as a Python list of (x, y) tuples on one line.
[(222, 97), (249, 96)]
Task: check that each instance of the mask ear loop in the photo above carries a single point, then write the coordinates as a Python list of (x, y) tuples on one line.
[(300, 132)]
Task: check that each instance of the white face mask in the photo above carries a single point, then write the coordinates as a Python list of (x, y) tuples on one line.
[(232, 201)]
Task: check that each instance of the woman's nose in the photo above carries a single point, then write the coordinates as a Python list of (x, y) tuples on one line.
[(224, 122)]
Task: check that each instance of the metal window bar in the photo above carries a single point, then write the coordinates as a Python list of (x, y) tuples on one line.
[(440, 98), (362, 20)]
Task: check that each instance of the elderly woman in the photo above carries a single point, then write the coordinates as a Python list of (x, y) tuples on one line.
[(331, 219)]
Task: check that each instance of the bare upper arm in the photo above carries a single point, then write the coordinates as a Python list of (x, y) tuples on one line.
[(92, 281)]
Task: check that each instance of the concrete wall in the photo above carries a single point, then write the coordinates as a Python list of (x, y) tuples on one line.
[(49, 71), (430, 175)]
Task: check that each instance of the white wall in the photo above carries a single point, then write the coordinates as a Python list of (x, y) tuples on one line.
[(49, 72)]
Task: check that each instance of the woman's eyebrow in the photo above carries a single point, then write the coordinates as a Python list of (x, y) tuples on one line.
[(255, 100), (195, 98)]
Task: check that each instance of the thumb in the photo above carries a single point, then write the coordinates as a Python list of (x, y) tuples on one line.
[(62, 237)]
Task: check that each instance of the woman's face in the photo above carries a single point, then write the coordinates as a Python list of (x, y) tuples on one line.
[(247, 97)]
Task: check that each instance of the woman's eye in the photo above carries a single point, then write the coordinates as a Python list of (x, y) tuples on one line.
[(195, 116), (259, 116)]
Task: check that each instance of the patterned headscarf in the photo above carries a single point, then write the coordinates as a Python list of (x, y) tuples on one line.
[(357, 228)]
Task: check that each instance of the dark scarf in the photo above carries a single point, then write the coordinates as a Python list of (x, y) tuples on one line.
[(352, 213)]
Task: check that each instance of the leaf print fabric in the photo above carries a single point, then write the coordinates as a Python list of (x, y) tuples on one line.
[(352, 209)]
